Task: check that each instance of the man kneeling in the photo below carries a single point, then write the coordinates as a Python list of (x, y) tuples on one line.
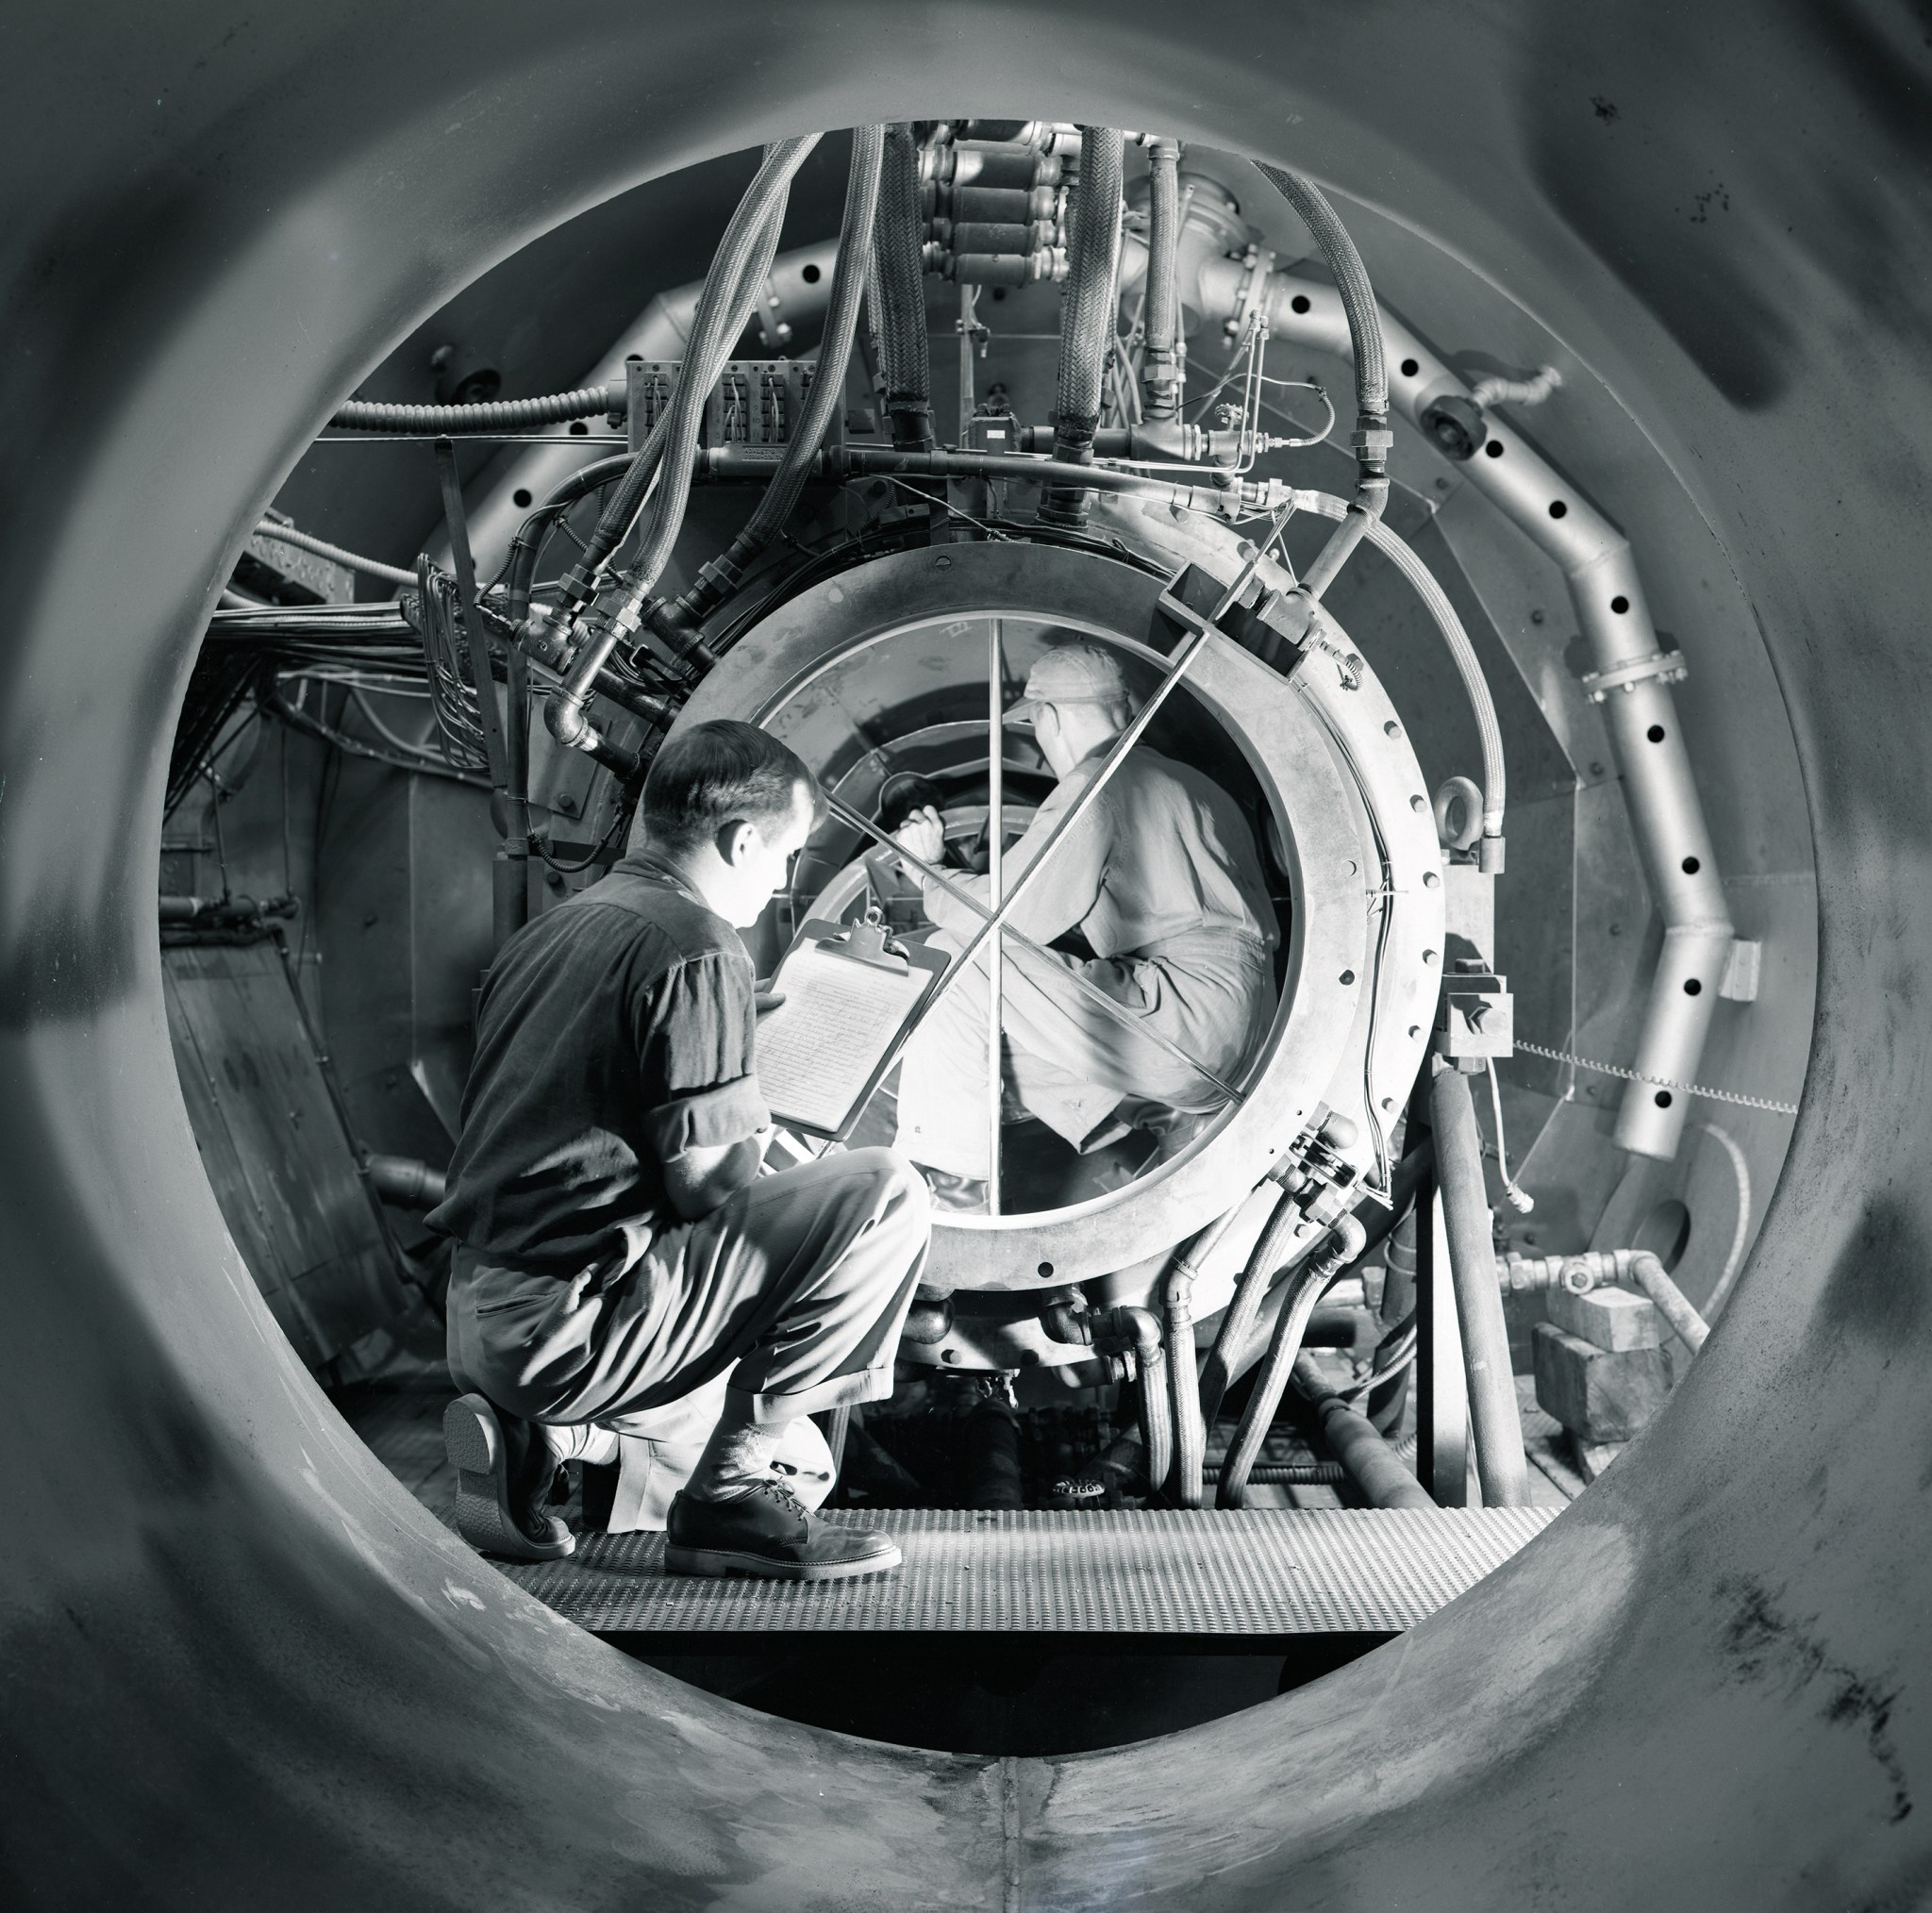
[(621, 1266)]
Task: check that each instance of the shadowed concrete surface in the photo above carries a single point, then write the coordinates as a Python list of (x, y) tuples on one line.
[(241, 1665)]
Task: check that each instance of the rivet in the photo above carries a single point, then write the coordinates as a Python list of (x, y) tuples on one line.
[(1431, 881), (1429, 958), (1418, 803), (942, 564)]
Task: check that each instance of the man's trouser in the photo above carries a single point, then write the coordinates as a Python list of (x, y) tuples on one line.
[(787, 1298), (1069, 1062)]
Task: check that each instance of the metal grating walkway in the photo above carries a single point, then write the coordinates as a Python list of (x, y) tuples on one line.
[(1266, 1572)]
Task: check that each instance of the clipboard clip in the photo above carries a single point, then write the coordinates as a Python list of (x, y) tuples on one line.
[(864, 942)]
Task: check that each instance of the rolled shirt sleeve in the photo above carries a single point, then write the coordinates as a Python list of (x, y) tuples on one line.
[(700, 1088)]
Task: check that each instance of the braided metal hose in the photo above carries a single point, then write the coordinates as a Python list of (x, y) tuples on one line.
[(1304, 1290), (1161, 369), (730, 286), (1373, 439), (898, 292), (827, 394), (1086, 317)]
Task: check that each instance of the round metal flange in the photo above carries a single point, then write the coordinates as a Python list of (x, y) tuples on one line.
[(791, 672)]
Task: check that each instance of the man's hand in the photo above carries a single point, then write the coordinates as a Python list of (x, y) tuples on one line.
[(924, 834)]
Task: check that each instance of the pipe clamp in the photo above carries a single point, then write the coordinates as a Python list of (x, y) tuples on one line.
[(1666, 667)]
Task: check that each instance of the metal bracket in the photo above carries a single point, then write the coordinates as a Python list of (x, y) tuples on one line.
[(1667, 666), (1259, 263)]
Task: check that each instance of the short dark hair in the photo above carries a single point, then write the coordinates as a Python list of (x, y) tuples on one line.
[(720, 773)]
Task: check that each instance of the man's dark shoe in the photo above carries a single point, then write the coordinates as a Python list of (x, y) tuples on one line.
[(767, 1532), (503, 1471)]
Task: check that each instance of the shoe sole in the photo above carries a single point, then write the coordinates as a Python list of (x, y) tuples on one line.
[(722, 1563), (474, 1443)]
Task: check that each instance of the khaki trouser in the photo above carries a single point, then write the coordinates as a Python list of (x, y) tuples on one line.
[(1069, 1062), (786, 1300)]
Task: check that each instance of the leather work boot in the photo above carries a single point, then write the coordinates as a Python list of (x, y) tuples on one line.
[(504, 1469), (768, 1534)]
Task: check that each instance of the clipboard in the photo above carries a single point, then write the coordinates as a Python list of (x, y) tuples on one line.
[(849, 989)]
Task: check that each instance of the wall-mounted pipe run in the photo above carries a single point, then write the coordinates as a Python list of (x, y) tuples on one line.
[(1087, 316), (1304, 1289), (1634, 684), (1494, 1420), (1639, 1268)]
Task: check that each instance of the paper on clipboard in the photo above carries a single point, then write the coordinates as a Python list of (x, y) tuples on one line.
[(819, 1050)]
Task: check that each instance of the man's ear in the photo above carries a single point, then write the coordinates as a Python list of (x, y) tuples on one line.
[(735, 841)]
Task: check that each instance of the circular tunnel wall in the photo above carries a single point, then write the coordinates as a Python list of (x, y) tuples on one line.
[(241, 1663)]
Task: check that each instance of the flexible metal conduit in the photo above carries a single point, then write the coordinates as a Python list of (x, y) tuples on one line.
[(825, 400), (303, 540), (1087, 315), (898, 294), (1494, 1420), (497, 415), (1304, 1287), (1639, 706)]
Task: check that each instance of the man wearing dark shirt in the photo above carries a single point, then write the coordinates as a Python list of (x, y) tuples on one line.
[(618, 1251)]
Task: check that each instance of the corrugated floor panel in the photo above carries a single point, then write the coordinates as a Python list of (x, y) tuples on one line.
[(1162, 1571)]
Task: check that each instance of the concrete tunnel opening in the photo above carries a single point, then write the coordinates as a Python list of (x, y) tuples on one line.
[(343, 1013)]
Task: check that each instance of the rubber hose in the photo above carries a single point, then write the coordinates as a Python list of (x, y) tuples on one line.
[(1160, 357), (1087, 315), (827, 394), (898, 283), (499, 415), (521, 567), (1237, 1320), (1495, 1423), (1305, 1287), (1461, 651)]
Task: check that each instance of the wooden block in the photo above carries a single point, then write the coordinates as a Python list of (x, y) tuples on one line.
[(1612, 1319), (1598, 1394)]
